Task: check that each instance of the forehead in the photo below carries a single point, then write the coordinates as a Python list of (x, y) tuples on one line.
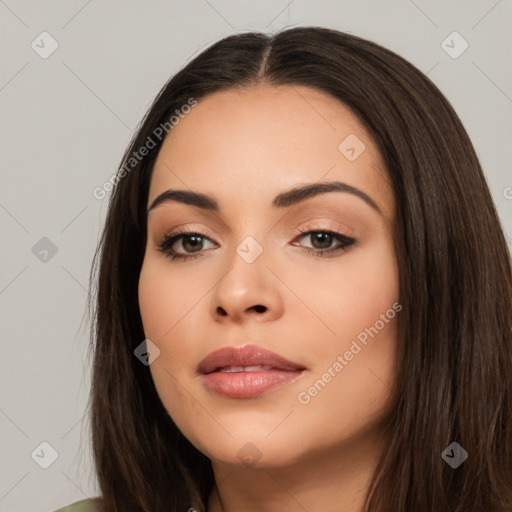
[(264, 139)]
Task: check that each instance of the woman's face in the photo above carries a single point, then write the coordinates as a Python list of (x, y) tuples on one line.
[(326, 301)]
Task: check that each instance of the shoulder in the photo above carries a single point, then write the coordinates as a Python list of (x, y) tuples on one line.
[(89, 505)]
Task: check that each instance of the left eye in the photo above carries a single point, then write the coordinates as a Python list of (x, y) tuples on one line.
[(321, 240)]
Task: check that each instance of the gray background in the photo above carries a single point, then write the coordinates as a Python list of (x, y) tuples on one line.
[(65, 123)]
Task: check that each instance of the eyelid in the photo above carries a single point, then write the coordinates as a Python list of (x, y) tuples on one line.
[(319, 221), (310, 225), (327, 224)]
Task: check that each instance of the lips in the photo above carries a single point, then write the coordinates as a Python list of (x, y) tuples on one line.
[(246, 372), (248, 356)]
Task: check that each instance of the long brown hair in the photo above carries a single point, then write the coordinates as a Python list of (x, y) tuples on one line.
[(454, 381)]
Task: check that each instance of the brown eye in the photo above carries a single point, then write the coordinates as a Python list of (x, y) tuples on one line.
[(191, 244), (322, 239)]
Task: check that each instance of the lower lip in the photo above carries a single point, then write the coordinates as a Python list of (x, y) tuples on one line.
[(248, 384)]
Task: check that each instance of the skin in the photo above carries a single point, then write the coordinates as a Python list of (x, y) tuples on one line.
[(243, 148)]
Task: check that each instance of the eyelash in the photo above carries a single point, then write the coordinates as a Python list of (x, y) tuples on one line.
[(166, 245)]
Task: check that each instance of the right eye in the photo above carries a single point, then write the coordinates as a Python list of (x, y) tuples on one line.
[(190, 240)]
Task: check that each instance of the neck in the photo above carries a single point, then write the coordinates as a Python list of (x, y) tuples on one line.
[(327, 480)]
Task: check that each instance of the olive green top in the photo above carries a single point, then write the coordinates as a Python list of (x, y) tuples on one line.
[(81, 506)]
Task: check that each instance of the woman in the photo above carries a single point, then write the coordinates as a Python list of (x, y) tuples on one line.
[(304, 295)]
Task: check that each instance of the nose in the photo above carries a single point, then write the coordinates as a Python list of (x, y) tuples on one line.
[(247, 290)]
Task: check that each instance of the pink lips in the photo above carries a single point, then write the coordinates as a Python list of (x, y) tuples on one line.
[(246, 372)]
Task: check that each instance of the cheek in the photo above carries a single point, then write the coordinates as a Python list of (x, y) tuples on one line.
[(167, 311), (350, 295), (157, 302), (360, 306), (347, 297), (168, 298), (162, 310), (177, 397)]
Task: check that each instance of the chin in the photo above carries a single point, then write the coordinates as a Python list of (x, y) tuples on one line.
[(251, 445), (253, 455)]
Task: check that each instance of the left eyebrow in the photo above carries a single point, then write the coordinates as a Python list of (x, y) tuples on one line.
[(282, 200)]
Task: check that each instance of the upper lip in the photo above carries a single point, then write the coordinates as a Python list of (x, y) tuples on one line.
[(249, 355)]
